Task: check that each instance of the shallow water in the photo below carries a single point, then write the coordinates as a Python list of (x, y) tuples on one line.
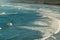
[(19, 18), (22, 18)]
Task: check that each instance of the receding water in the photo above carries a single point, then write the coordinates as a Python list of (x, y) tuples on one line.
[(19, 18), (22, 18)]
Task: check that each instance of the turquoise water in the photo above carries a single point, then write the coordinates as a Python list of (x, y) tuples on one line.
[(21, 17)]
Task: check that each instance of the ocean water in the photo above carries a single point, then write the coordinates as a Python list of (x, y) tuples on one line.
[(18, 18), (22, 17)]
